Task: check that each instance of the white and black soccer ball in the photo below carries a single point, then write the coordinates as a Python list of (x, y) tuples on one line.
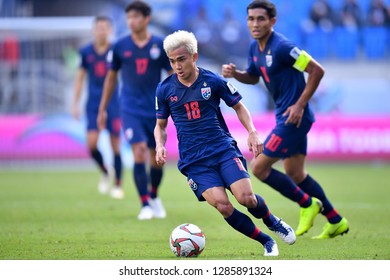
[(187, 240)]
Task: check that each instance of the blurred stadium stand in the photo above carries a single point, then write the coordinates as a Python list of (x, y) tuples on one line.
[(346, 43), (38, 77), (376, 41), (49, 34)]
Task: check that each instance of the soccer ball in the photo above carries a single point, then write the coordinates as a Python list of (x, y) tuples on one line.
[(187, 240)]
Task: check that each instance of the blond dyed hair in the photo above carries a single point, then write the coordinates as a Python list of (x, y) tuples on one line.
[(181, 38)]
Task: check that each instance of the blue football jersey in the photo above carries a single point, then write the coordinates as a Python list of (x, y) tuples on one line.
[(275, 65), (96, 66), (195, 111), (141, 71)]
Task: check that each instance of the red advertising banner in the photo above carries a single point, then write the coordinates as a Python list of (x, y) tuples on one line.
[(332, 137)]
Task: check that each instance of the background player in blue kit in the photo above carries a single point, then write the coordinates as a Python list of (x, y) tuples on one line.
[(209, 156), (141, 59), (281, 65), (94, 65)]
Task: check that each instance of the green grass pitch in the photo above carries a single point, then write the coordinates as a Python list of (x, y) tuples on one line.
[(59, 215)]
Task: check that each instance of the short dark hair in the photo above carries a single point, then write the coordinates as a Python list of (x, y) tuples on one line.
[(139, 6), (102, 18), (263, 4)]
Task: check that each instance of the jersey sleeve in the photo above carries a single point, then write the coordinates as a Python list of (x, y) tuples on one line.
[(83, 59), (162, 108), (283, 53), (293, 56), (114, 59), (252, 69), (228, 93)]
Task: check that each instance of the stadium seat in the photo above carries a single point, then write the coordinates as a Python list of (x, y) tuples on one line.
[(375, 42), (317, 43), (345, 43), (291, 31)]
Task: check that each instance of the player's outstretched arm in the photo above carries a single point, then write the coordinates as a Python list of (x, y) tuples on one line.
[(254, 143), (230, 71), (160, 135), (108, 90)]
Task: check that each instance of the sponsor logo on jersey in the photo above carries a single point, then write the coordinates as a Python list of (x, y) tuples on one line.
[(155, 52), (192, 185), (173, 98), (127, 54), (232, 88)]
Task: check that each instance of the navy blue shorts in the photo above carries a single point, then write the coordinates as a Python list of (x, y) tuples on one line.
[(219, 171), (287, 140), (139, 129), (113, 124)]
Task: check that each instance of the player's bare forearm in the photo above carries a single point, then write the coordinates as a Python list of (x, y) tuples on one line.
[(254, 143), (78, 85), (316, 72), (108, 89), (160, 136), (230, 71), (245, 78), (244, 116), (295, 112)]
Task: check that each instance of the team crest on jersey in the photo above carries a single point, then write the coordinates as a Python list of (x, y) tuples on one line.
[(206, 91), (192, 185), (268, 59), (155, 52)]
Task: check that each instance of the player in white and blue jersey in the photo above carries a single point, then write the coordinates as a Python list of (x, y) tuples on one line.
[(94, 66), (141, 60), (209, 156), (281, 64)]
